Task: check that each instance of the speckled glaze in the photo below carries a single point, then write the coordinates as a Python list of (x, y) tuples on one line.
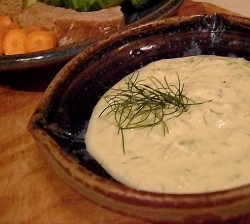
[(63, 54), (60, 120)]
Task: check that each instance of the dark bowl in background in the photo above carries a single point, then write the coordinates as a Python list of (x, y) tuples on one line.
[(60, 55)]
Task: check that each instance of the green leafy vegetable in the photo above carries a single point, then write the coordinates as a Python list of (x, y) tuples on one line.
[(87, 5), (139, 3), (27, 3)]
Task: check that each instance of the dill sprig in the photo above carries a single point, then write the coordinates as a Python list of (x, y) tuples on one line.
[(139, 105)]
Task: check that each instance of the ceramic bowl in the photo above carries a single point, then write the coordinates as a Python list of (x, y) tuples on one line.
[(61, 55), (59, 122)]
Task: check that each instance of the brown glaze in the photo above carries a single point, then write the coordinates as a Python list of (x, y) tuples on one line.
[(60, 120)]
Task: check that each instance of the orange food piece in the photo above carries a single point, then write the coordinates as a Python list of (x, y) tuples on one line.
[(5, 21), (1, 46), (15, 39), (13, 25), (2, 35), (13, 42), (40, 40)]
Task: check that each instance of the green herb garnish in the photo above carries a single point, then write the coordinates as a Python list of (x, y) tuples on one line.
[(140, 105)]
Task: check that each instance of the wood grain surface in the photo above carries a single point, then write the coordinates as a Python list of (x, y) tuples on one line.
[(30, 191)]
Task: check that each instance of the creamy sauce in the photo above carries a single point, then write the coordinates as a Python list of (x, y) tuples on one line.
[(206, 148)]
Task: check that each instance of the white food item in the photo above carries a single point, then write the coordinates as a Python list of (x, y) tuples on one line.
[(241, 7), (207, 148)]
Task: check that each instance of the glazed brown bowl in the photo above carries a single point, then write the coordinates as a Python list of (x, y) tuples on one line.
[(61, 118)]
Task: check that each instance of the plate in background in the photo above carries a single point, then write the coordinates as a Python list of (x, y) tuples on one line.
[(65, 53)]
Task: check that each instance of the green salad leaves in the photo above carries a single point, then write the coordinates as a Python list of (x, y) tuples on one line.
[(88, 5)]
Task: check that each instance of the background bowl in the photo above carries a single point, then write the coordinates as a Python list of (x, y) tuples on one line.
[(61, 118), (59, 55)]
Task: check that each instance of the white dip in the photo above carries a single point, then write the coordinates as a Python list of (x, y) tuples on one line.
[(205, 149)]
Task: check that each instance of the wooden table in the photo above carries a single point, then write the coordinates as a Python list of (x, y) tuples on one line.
[(30, 191)]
